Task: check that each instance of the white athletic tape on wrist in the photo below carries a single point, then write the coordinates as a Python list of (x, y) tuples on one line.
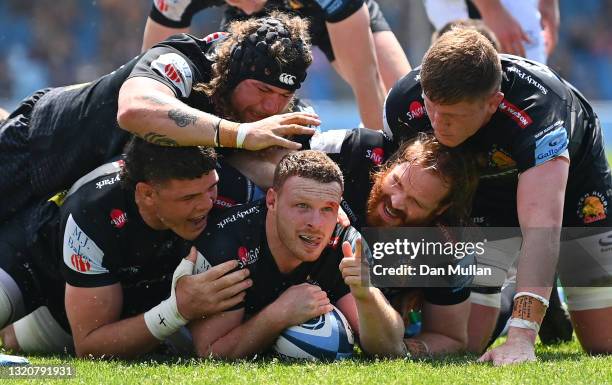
[(241, 136), (164, 319), (524, 324), (532, 295)]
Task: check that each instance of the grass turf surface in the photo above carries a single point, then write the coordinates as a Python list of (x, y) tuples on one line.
[(562, 364)]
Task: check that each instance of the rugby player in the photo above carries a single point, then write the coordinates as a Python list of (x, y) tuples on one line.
[(420, 184), (354, 36), (301, 262), (219, 91), (94, 268), (526, 124)]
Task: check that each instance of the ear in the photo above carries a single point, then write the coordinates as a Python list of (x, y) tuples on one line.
[(271, 199), (494, 101), (144, 193)]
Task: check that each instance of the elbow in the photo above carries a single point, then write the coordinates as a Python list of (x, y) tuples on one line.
[(127, 116)]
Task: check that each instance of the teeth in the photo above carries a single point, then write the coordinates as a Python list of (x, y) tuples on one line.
[(307, 238), (390, 211)]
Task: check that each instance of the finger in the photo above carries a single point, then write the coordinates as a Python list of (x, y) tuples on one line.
[(293, 129), (220, 270), (347, 250), (302, 119), (234, 289), (485, 357), (192, 256), (285, 143), (229, 280), (353, 280), (230, 302)]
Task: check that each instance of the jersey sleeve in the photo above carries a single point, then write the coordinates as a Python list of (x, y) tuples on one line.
[(338, 10), (169, 66), (404, 113), (178, 13), (87, 252)]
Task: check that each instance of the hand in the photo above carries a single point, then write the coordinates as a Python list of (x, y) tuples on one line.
[(300, 303), (271, 131), (516, 349), (352, 267), (211, 292), (508, 31)]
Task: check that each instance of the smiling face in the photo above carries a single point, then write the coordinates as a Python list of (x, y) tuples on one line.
[(179, 205), (253, 100), (301, 218), (406, 195)]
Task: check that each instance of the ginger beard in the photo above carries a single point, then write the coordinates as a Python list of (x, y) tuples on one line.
[(415, 184)]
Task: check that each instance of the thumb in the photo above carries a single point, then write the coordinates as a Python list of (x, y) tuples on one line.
[(193, 255), (347, 249)]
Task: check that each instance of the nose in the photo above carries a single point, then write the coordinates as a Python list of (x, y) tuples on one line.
[(271, 104), (206, 202), (398, 200)]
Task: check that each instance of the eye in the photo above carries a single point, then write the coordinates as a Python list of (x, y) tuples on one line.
[(328, 209), (301, 205)]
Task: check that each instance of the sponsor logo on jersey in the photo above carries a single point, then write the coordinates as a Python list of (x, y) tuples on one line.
[(118, 218), (376, 155), (519, 116), (416, 110), (500, 159), (174, 67), (333, 241), (239, 215), (80, 252), (286, 78), (592, 207), (528, 79), (247, 256), (550, 128), (214, 36), (108, 181), (349, 212), (550, 145), (224, 202), (295, 4), (172, 9)]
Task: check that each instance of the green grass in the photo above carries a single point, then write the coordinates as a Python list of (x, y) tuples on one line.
[(563, 364)]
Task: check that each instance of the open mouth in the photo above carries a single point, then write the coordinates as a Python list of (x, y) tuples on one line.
[(389, 213), (198, 221), (310, 240)]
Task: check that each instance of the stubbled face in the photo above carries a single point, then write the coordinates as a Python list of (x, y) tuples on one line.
[(455, 123), (247, 6), (254, 100), (183, 205), (406, 195), (305, 215)]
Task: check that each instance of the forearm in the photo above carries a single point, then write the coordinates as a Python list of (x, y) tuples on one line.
[(358, 65), (251, 337), (165, 120), (126, 338), (155, 32), (381, 329)]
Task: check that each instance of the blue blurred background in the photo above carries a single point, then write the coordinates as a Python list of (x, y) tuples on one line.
[(59, 42)]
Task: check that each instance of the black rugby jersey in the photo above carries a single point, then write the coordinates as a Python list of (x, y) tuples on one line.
[(66, 132), (239, 233), (359, 153), (540, 118), (178, 14)]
